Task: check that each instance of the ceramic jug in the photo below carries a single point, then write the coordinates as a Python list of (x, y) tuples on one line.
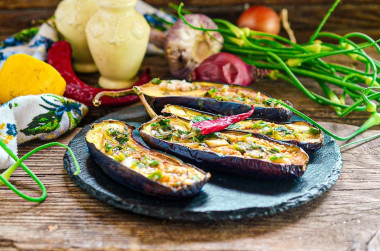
[(117, 36), (71, 18)]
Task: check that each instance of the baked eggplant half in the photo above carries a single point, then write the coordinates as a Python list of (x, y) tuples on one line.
[(213, 97), (113, 147), (300, 133), (227, 151)]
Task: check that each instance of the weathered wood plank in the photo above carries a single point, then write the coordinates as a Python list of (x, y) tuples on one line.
[(69, 218), (345, 218), (14, 21), (25, 4), (361, 16)]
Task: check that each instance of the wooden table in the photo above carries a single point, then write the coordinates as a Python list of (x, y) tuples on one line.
[(346, 218)]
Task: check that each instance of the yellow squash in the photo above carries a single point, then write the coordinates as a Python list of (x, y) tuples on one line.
[(23, 75)]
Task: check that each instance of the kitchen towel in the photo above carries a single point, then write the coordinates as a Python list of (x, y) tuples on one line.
[(44, 117), (34, 41)]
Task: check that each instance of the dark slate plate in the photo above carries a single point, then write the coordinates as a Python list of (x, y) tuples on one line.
[(225, 197)]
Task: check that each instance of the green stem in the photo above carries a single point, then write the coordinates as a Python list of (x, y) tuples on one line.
[(320, 99), (292, 76), (315, 34), (361, 141), (307, 73), (19, 162)]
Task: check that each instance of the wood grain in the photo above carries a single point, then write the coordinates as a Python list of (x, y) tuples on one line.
[(345, 218), (361, 15)]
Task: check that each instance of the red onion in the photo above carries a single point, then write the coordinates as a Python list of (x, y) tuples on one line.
[(226, 68)]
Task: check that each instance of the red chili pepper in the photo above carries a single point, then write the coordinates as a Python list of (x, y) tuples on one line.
[(59, 56), (216, 125)]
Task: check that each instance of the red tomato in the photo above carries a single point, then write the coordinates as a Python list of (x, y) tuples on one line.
[(260, 18)]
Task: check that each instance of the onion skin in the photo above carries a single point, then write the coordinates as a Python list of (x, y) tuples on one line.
[(186, 48), (226, 68), (260, 18)]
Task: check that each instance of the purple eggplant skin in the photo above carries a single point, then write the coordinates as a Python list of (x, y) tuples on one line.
[(228, 164), (307, 146), (138, 182), (280, 114)]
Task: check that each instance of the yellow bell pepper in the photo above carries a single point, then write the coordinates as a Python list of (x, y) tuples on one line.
[(23, 75)]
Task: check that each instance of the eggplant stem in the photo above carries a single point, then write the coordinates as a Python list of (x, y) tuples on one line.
[(113, 94), (116, 94), (148, 109)]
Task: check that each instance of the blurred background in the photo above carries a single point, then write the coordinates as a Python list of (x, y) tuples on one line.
[(304, 16)]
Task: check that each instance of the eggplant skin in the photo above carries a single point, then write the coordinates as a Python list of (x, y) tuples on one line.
[(138, 182), (280, 114), (228, 164), (220, 107), (309, 147)]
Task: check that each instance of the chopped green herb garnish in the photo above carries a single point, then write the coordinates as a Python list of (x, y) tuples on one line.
[(181, 132), (241, 98), (156, 175), (154, 163), (219, 98), (238, 148), (201, 118), (269, 102), (119, 157), (112, 132), (233, 126), (210, 93), (108, 147), (122, 139), (284, 129), (277, 157), (156, 81), (313, 130), (165, 124), (274, 150), (260, 124)]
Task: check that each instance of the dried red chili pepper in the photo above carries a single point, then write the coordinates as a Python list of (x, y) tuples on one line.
[(59, 56), (216, 125)]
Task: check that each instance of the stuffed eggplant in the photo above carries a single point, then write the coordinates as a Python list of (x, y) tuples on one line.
[(113, 147), (228, 151), (299, 133), (212, 97)]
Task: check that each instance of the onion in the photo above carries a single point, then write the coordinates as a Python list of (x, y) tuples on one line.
[(186, 48), (260, 18), (226, 68)]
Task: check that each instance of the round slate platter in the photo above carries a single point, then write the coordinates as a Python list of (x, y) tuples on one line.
[(225, 197)]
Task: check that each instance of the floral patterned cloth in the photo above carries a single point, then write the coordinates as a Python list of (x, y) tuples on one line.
[(35, 42), (45, 117)]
